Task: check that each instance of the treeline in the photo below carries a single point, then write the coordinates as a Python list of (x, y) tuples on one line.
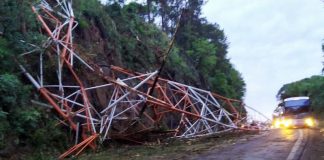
[(130, 35), (133, 35), (312, 87)]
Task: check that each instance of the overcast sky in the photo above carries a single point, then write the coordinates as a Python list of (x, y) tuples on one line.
[(271, 43)]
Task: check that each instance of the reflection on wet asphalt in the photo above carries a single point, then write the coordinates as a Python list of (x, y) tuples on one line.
[(274, 144)]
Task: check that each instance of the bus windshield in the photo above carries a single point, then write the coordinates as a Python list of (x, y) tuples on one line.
[(297, 103), (293, 107)]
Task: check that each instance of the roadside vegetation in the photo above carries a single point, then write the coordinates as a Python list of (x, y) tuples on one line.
[(312, 87), (133, 35), (170, 148)]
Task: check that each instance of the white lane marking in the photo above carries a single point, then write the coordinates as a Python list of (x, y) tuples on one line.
[(296, 147)]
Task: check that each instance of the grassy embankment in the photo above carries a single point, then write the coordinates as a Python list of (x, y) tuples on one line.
[(169, 149)]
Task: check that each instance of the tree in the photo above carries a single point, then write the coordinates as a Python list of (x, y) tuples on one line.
[(312, 87), (132, 35)]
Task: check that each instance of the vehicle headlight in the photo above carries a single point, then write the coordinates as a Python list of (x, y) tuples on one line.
[(287, 122), (277, 123), (310, 122)]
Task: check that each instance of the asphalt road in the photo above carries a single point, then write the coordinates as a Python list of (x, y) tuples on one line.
[(277, 144)]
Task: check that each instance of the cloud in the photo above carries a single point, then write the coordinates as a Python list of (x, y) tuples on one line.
[(271, 42)]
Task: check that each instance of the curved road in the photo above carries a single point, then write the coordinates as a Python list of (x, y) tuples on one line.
[(285, 144)]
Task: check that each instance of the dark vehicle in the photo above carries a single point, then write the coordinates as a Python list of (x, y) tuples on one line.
[(294, 112)]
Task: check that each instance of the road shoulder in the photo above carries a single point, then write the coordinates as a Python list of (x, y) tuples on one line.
[(314, 149)]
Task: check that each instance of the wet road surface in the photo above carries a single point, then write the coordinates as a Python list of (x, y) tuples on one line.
[(285, 144)]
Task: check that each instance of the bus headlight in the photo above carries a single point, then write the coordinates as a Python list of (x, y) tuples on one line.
[(309, 122), (287, 122), (277, 123)]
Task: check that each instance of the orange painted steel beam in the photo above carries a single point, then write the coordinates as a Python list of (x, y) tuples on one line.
[(79, 147)]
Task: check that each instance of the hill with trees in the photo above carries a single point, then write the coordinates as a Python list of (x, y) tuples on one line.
[(132, 35)]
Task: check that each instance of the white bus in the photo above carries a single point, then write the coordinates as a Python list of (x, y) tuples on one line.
[(294, 112)]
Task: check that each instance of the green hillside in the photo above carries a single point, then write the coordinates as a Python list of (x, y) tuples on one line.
[(134, 36)]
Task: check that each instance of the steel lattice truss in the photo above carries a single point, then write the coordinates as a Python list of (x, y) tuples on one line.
[(185, 111)]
